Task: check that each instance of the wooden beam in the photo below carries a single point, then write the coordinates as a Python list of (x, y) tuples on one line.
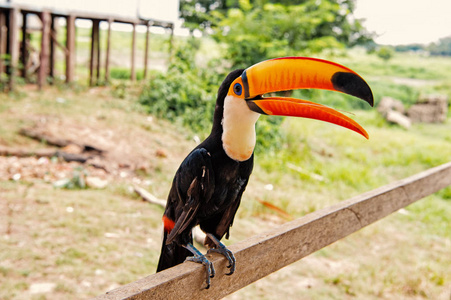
[(45, 49), (70, 45), (146, 52), (3, 42), (133, 72), (171, 41), (108, 50), (91, 61), (98, 53), (266, 253), (94, 62), (13, 46), (53, 40), (24, 46)]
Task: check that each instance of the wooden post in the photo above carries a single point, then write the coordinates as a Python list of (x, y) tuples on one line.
[(171, 44), (108, 49), (98, 54), (94, 51), (70, 45), (13, 46), (133, 73), (53, 36), (171, 41), (45, 48), (3, 33), (24, 46), (146, 53), (91, 61), (266, 253)]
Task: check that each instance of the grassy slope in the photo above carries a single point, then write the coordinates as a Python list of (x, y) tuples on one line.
[(112, 238)]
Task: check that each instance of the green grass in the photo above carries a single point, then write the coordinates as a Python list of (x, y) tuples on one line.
[(403, 256)]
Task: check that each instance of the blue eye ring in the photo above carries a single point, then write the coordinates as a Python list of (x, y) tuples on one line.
[(238, 89)]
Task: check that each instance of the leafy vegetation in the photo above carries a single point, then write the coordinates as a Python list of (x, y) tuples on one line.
[(186, 94), (385, 53), (258, 30), (440, 48), (443, 47), (89, 241)]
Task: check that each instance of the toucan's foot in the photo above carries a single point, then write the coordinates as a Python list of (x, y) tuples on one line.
[(201, 259), (222, 249), (228, 254)]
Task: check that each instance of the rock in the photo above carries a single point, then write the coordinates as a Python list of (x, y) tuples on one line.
[(398, 118), (41, 288), (389, 104), (161, 153), (96, 182), (62, 183), (73, 149), (429, 109)]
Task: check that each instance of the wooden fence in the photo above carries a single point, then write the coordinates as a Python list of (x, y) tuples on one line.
[(9, 42), (266, 253)]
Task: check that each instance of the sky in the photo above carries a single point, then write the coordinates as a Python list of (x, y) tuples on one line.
[(399, 22), (394, 21)]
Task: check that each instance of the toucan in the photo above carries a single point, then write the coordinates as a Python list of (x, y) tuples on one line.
[(208, 186)]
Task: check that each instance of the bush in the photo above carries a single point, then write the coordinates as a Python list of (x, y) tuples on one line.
[(385, 53), (124, 73), (186, 95)]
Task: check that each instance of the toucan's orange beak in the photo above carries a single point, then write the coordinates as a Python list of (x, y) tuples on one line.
[(291, 73)]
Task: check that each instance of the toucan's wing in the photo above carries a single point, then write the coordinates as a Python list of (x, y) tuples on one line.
[(228, 216), (225, 221), (193, 186)]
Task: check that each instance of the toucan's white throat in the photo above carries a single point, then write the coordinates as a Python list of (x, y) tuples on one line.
[(238, 123)]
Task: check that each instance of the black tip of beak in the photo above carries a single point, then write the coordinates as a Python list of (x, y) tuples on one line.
[(354, 85)]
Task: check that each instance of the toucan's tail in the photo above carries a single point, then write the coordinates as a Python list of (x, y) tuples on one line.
[(171, 255)]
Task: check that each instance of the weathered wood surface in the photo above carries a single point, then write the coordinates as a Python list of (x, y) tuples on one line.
[(48, 138), (9, 44), (148, 196), (53, 41), (95, 51), (3, 41), (13, 46), (46, 152), (45, 48), (70, 45), (24, 50), (266, 253), (108, 51), (146, 52), (133, 71)]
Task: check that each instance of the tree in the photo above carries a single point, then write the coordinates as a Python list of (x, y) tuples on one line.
[(260, 29), (385, 53), (443, 47)]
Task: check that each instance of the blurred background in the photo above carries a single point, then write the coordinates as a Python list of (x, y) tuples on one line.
[(101, 100)]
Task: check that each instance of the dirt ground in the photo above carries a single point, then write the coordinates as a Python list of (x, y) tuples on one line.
[(112, 152), (77, 243)]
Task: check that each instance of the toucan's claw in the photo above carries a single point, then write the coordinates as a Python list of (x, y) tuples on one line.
[(222, 249), (209, 268), (228, 254), (201, 259)]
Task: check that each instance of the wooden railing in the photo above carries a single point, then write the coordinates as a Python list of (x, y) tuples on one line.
[(266, 253)]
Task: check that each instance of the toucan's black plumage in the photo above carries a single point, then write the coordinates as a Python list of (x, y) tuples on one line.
[(208, 186), (206, 190)]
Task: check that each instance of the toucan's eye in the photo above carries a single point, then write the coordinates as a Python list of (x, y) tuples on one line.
[(238, 89)]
